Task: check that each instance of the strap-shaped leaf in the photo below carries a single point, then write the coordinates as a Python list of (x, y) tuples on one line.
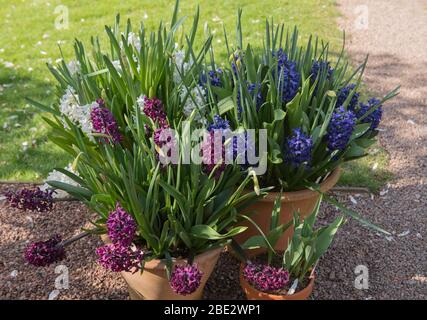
[(203, 231)]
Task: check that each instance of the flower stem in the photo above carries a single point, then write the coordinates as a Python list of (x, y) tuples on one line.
[(73, 239)]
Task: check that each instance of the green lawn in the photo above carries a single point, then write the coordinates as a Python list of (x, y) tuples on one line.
[(30, 40)]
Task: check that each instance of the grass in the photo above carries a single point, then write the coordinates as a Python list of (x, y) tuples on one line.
[(30, 40), (370, 172)]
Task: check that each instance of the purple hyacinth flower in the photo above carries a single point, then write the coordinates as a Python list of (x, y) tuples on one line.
[(121, 226), (212, 154), (219, 124), (340, 128), (252, 89), (153, 108), (298, 148), (100, 102), (185, 279), (241, 148), (343, 94), (30, 199), (266, 278), (374, 118), (103, 122), (319, 67), (288, 76), (44, 253), (118, 258), (213, 76)]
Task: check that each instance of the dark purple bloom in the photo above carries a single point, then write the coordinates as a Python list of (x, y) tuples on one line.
[(44, 253), (213, 153), (252, 88), (374, 118), (185, 279), (121, 226), (319, 67), (219, 124), (288, 76), (212, 148), (153, 108), (103, 122), (117, 258), (160, 138), (213, 76), (30, 199), (340, 128), (343, 95), (100, 102), (266, 278), (298, 148), (242, 147), (164, 137)]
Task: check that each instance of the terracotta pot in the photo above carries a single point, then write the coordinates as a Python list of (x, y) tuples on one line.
[(298, 201), (254, 294), (153, 284)]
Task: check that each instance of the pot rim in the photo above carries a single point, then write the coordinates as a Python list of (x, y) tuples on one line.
[(244, 282), (325, 186), (160, 264)]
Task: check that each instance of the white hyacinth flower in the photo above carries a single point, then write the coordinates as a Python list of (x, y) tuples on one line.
[(85, 120), (140, 101), (59, 176), (132, 40), (195, 99), (116, 64), (181, 67), (73, 66), (69, 103), (79, 115)]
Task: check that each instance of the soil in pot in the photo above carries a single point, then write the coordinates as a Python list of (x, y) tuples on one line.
[(302, 201)]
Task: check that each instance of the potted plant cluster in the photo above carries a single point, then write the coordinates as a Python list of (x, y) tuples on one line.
[(161, 142), (311, 110), (125, 117), (287, 275)]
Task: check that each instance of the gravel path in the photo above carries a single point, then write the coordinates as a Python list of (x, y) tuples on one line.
[(395, 39)]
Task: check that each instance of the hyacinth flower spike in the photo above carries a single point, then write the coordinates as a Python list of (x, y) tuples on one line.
[(44, 253), (30, 199), (185, 279)]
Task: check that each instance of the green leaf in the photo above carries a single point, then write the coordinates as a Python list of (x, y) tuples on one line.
[(225, 105), (78, 192), (203, 231), (325, 237), (255, 242), (294, 112), (355, 215)]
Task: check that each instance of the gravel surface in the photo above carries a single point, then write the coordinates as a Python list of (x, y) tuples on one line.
[(397, 265), (395, 38)]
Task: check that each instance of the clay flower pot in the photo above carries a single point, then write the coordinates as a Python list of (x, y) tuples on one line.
[(153, 283), (254, 294), (302, 201)]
